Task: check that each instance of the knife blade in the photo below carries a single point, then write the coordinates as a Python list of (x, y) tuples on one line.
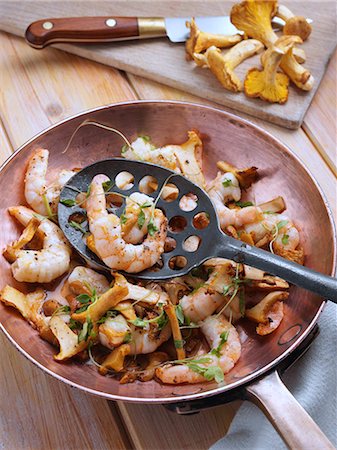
[(44, 32)]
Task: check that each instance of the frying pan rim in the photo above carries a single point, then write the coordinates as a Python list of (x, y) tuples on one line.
[(252, 376)]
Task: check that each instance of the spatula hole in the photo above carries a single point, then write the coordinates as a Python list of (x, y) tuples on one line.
[(170, 244), (177, 224), (188, 202), (192, 243), (148, 184), (177, 262), (201, 221), (170, 192), (124, 180)]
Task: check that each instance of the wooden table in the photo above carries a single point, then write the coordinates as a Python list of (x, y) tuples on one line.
[(38, 89)]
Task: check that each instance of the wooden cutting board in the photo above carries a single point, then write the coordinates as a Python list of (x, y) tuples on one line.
[(160, 60)]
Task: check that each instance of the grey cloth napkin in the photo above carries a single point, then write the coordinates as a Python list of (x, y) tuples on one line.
[(312, 381)]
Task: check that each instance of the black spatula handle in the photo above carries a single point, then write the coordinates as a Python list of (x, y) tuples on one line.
[(318, 283)]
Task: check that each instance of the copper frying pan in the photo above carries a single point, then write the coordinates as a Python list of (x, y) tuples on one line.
[(225, 137)]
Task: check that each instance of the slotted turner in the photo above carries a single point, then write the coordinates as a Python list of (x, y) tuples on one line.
[(213, 242)]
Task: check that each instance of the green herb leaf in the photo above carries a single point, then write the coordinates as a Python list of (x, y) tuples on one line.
[(83, 298), (162, 321), (145, 138), (180, 314), (74, 324), (127, 338), (65, 309), (124, 148), (107, 185), (223, 339), (139, 322), (269, 212), (151, 228), (227, 182), (82, 308), (282, 224), (147, 204), (244, 204), (123, 219), (285, 239), (179, 343), (68, 202), (226, 289), (83, 333), (88, 191), (107, 315), (141, 219), (214, 373), (78, 227)]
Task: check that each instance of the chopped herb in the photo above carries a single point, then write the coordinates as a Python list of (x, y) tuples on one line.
[(145, 138), (74, 324), (244, 204), (61, 310), (83, 298), (127, 338), (78, 227), (141, 219), (281, 224), (161, 320), (179, 343), (139, 322), (269, 212), (147, 204), (88, 191), (125, 148), (82, 308), (107, 185), (285, 239), (226, 289), (87, 331), (68, 202), (180, 314), (123, 219), (151, 228), (223, 340), (106, 316), (227, 182), (209, 373)]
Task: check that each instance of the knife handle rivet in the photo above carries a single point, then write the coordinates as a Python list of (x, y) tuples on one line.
[(111, 23), (47, 25)]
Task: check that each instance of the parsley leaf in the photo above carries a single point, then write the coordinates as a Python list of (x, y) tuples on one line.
[(214, 373), (65, 309), (285, 239), (180, 314), (83, 298), (141, 219), (139, 322), (223, 340), (244, 204), (107, 185), (151, 228), (227, 182), (68, 202), (282, 224), (78, 226)]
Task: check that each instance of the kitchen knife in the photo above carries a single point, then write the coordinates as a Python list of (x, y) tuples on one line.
[(41, 33)]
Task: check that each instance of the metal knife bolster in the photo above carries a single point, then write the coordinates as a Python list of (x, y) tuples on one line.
[(149, 27)]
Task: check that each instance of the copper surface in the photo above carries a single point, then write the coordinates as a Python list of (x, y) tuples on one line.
[(225, 137)]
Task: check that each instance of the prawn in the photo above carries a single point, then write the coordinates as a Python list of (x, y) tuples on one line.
[(225, 351), (41, 266), (137, 206), (223, 189), (107, 233), (39, 197), (143, 341)]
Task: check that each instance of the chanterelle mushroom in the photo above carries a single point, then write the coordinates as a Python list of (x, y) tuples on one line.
[(200, 41), (222, 66), (254, 18), (294, 25), (268, 83)]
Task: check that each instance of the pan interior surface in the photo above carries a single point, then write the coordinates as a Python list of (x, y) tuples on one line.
[(225, 137)]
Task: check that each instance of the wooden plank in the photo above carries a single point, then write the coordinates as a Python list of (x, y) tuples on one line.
[(51, 87), (159, 60), (320, 121), (154, 427), (297, 141), (41, 411)]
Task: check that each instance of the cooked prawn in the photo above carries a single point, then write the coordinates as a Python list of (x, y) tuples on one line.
[(133, 231), (43, 265), (201, 303), (224, 188), (143, 341), (85, 277), (107, 233), (113, 331), (224, 355), (41, 198)]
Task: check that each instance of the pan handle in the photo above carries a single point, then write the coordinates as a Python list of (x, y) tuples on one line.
[(292, 422)]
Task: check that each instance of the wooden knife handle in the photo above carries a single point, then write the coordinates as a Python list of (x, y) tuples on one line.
[(41, 33)]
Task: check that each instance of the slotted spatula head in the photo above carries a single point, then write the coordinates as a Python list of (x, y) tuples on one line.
[(175, 262)]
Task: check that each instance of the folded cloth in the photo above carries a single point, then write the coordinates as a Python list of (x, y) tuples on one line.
[(312, 381)]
